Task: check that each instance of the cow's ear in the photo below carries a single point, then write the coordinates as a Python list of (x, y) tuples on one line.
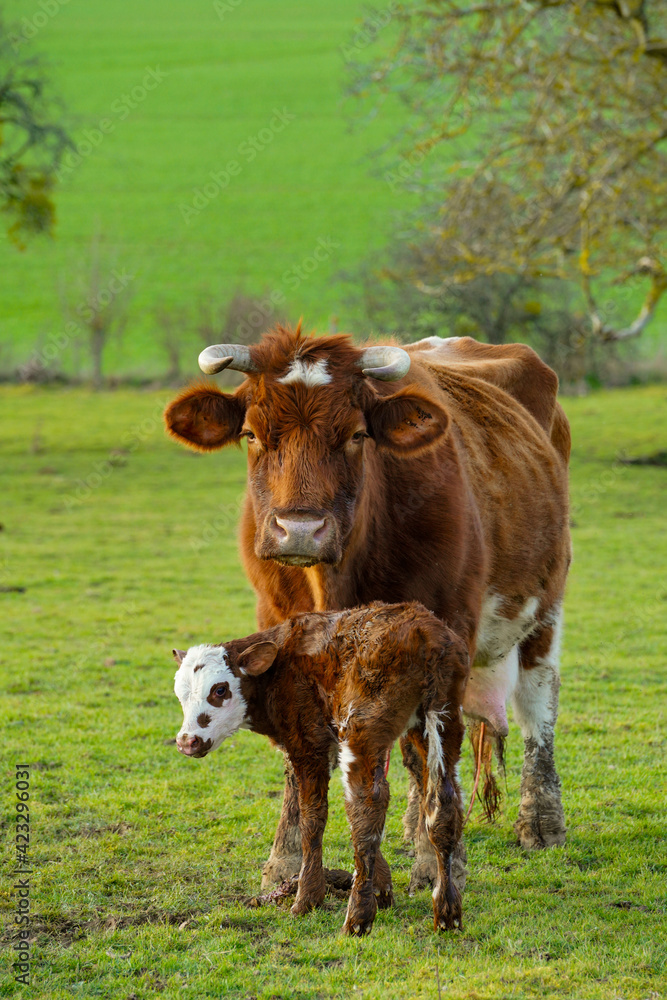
[(205, 418), (257, 659), (179, 655), (407, 421)]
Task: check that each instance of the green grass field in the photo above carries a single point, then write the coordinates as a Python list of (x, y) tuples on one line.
[(125, 545)]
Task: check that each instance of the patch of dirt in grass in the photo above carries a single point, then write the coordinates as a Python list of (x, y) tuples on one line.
[(62, 930), (115, 923), (626, 904), (46, 765), (66, 930)]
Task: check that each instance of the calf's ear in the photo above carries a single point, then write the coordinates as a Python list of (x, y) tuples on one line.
[(205, 418), (407, 421), (257, 659), (179, 655)]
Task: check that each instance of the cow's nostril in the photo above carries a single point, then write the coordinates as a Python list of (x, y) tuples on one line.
[(193, 742), (278, 530), (321, 532)]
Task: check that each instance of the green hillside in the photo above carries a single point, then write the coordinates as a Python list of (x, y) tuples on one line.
[(258, 84), (215, 154)]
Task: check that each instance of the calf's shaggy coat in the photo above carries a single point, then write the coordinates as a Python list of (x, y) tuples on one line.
[(344, 686)]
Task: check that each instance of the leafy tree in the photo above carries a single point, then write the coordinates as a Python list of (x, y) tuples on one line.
[(551, 118), (31, 142)]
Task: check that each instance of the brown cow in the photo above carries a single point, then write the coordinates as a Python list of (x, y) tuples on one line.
[(447, 487), (344, 686)]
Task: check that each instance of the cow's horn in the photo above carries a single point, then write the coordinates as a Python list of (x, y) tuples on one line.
[(386, 363), (220, 356)]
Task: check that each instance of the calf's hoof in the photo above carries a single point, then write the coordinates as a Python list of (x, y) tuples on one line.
[(360, 915), (310, 895), (384, 897), (279, 868), (302, 906), (447, 914), (382, 887), (541, 824)]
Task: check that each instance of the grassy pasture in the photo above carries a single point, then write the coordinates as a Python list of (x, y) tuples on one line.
[(125, 545)]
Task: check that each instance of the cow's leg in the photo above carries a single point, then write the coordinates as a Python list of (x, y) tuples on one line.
[(313, 807), (425, 868), (411, 815), (541, 822), (366, 801), (285, 857)]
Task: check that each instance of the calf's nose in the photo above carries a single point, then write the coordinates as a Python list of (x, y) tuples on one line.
[(189, 744)]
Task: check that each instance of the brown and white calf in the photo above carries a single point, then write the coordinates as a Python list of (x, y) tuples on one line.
[(344, 686)]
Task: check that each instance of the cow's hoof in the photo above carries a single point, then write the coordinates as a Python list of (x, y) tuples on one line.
[(459, 870), (279, 868), (424, 874), (542, 825)]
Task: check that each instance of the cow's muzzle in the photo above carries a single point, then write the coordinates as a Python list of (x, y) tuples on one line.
[(300, 539)]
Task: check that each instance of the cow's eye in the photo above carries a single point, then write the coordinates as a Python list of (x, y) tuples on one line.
[(250, 436), (359, 436), (221, 690)]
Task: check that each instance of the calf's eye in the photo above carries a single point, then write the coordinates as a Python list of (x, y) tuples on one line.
[(221, 690)]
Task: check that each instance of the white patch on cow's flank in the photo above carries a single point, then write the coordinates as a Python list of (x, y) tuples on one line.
[(495, 670), (345, 759), (192, 688), (497, 634), (535, 697), (309, 373)]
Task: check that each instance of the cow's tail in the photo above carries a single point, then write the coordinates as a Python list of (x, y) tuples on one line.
[(483, 742)]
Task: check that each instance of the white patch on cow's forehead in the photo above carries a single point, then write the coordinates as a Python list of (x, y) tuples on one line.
[(307, 372)]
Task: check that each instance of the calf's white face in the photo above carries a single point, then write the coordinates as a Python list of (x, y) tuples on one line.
[(210, 695)]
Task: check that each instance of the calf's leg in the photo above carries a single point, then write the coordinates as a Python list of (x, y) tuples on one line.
[(313, 807), (442, 809), (366, 801), (285, 858), (541, 821), (425, 868)]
